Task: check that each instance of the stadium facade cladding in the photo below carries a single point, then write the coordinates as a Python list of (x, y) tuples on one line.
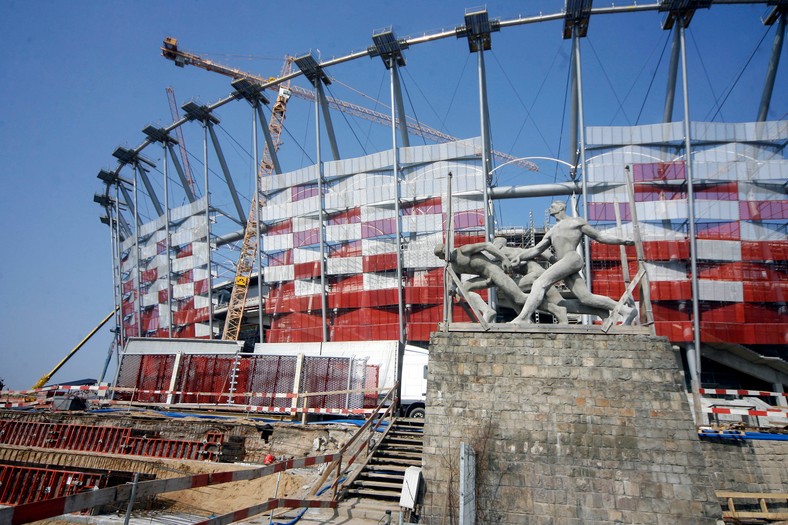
[(346, 245)]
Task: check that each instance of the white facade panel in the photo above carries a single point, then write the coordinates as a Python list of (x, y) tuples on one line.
[(726, 291), (184, 264), (719, 250), (379, 281), (199, 274), (279, 273), (201, 301), (761, 192), (661, 210), (276, 212), (301, 224), (759, 231), (304, 287), (305, 255), (344, 265), (422, 223), (182, 291), (343, 232), (277, 243), (378, 246), (376, 213), (716, 210), (150, 299), (667, 271)]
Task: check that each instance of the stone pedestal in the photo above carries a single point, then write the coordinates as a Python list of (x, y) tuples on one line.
[(570, 426)]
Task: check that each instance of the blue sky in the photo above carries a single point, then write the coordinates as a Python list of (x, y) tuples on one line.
[(81, 78)]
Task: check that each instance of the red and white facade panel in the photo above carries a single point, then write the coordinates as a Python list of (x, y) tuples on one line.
[(360, 242), (146, 307), (739, 179)]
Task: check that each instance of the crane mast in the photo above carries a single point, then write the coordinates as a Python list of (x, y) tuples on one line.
[(237, 305)]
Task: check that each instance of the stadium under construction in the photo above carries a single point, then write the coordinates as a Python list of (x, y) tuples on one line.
[(319, 291)]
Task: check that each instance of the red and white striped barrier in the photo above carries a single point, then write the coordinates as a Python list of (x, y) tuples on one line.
[(271, 504), (770, 412), (256, 408), (754, 393), (94, 388), (40, 510)]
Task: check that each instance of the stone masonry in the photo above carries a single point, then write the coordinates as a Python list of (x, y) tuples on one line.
[(570, 426)]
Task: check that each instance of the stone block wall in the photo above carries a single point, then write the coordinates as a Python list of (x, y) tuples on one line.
[(747, 466), (568, 428)]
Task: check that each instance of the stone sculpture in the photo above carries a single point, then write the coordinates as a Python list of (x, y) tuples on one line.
[(535, 285), (470, 259), (566, 263)]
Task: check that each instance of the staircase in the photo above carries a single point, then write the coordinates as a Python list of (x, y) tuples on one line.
[(382, 476)]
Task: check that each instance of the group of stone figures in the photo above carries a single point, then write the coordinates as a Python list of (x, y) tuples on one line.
[(524, 285)]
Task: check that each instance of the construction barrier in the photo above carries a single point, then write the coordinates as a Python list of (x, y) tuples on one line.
[(771, 412), (106, 440), (22, 484), (753, 393), (271, 504), (40, 510)]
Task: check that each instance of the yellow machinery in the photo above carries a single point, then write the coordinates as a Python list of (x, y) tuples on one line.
[(46, 377)]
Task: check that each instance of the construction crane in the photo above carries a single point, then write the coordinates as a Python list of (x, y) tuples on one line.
[(187, 169), (182, 58), (46, 377), (237, 305)]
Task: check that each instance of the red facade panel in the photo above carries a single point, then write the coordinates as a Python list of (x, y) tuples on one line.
[(380, 262)]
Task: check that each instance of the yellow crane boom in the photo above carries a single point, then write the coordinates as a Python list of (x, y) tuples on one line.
[(46, 377)]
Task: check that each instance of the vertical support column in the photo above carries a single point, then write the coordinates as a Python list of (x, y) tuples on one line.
[(691, 219), (448, 316), (489, 229), (117, 291), (781, 400), (208, 225), (227, 177), (581, 134), (403, 125), (269, 141), (176, 366), (137, 283), (573, 125), (332, 139), (397, 202), (771, 72), (168, 247), (670, 92), (256, 210), (181, 174), (121, 329), (321, 216)]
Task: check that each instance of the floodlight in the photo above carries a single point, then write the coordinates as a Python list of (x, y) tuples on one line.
[(477, 28), (102, 200), (158, 135), (387, 47), (311, 69), (577, 13), (681, 8), (130, 156), (199, 112), (250, 90)]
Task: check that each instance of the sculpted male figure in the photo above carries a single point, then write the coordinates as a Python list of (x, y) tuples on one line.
[(564, 238), (469, 259), (530, 270)]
